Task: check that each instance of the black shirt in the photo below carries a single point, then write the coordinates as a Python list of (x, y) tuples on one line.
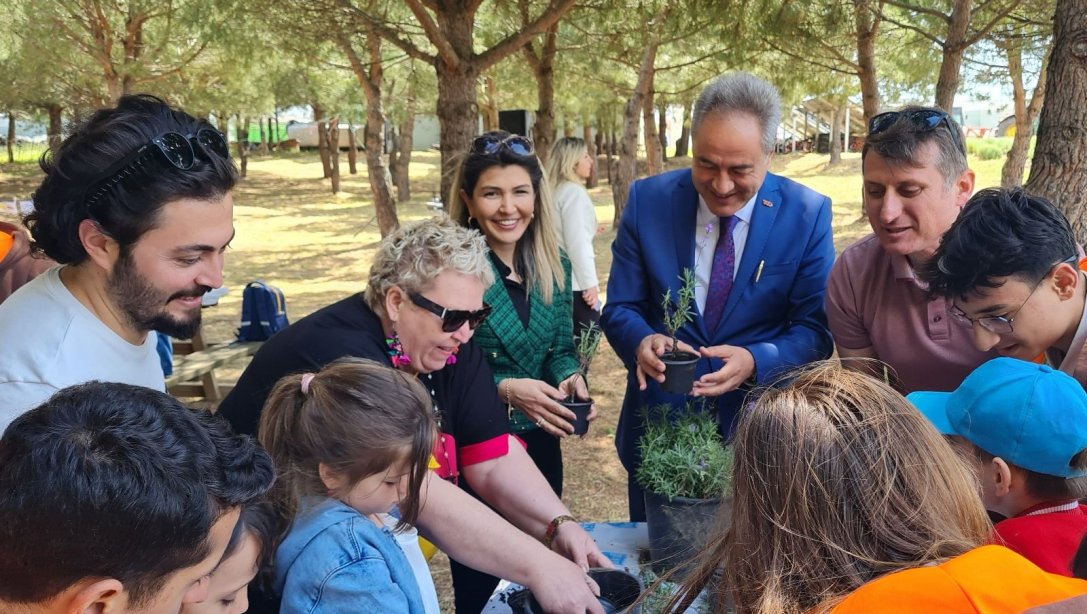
[(464, 393)]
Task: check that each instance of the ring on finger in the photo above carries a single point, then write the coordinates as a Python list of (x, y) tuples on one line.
[(541, 422)]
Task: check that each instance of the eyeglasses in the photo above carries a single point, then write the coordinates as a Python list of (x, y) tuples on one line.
[(925, 120), (489, 144), (1000, 325), (452, 319), (171, 147)]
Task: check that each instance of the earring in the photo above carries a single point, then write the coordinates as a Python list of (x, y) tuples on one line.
[(396, 353), (452, 359)]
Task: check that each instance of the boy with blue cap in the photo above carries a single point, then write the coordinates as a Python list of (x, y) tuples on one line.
[(1027, 424)]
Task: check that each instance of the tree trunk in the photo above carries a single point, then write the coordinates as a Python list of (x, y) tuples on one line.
[(393, 145), (868, 14), (662, 130), (490, 104), (457, 112), (263, 149), (1011, 174), (609, 147), (243, 144), (543, 65), (684, 133), (954, 46), (224, 129), (11, 136), (275, 134), (333, 139), (352, 150), (628, 154), (272, 140), (654, 158), (587, 136), (1059, 168), (836, 135), (407, 142), (322, 140), (370, 78), (55, 127)]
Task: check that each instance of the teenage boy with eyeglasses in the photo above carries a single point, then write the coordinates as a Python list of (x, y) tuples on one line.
[(1010, 270), (136, 205), (915, 182)]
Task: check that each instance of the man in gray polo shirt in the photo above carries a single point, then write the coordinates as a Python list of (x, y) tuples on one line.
[(915, 182)]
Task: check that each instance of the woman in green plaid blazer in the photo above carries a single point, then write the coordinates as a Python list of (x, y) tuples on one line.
[(528, 338)]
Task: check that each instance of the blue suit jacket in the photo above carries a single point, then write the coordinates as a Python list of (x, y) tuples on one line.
[(779, 317)]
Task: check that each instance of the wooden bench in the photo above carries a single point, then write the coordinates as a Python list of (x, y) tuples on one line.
[(195, 364)]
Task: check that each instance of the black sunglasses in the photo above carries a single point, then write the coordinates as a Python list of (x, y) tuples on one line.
[(171, 147), (452, 319), (489, 144), (925, 120)]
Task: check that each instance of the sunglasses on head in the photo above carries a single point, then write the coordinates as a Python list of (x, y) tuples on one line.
[(489, 144), (452, 319), (925, 120), (171, 148)]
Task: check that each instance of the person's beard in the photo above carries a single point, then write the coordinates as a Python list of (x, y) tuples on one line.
[(145, 305)]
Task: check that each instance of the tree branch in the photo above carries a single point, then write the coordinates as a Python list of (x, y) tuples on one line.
[(445, 51), (554, 11)]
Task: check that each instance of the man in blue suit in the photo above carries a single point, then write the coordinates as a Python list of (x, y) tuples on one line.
[(760, 282)]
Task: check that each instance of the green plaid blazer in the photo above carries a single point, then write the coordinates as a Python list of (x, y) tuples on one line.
[(543, 351)]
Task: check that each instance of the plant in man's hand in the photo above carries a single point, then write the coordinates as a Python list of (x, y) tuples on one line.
[(683, 456), (678, 312)]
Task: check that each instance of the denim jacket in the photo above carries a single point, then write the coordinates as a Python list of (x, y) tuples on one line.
[(335, 559)]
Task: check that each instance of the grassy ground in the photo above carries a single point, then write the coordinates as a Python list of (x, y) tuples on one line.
[(316, 246)]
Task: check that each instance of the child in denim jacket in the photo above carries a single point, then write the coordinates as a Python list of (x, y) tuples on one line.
[(351, 443)]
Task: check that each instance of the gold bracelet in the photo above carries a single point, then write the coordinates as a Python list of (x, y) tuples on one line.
[(553, 527), (509, 405)]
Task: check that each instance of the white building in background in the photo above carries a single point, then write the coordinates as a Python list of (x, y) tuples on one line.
[(982, 118)]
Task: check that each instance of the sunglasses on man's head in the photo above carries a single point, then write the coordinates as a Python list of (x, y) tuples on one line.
[(925, 120), (452, 319), (171, 147), (489, 144)]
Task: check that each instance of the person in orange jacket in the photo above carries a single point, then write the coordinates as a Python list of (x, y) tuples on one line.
[(17, 264), (847, 500)]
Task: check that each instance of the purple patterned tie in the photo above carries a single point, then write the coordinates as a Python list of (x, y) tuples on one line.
[(724, 263)]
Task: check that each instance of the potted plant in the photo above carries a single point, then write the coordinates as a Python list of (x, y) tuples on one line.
[(585, 349), (685, 470), (679, 366)]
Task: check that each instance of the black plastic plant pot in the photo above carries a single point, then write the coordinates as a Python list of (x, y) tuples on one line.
[(679, 369), (581, 411), (618, 592), (679, 528)]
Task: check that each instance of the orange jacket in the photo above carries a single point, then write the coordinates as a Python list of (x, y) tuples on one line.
[(986, 580)]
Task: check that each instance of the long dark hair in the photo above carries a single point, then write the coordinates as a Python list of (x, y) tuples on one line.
[(536, 258)]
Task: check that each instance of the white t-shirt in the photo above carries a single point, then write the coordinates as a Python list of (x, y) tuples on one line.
[(577, 227), (49, 340)]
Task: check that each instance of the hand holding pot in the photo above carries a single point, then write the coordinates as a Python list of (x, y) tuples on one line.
[(539, 401), (565, 588), (739, 367), (648, 356), (574, 543)]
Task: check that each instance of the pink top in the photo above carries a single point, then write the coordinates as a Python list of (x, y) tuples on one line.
[(874, 300)]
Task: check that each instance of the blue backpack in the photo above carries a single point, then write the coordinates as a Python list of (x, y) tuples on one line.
[(264, 312)]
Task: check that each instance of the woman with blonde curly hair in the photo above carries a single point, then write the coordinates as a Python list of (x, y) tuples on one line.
[(568, 166), (846, 499), (420, 310)]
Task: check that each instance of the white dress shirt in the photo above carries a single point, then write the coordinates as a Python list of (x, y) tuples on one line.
[(707, 229)]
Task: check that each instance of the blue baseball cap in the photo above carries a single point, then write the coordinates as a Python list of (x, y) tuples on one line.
[(1030, 415)]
